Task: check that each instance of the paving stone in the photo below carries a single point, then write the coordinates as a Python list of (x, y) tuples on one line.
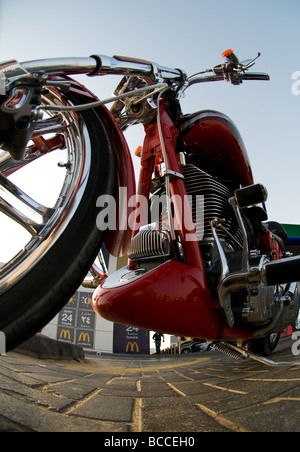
[(155, 394), (106, 408)]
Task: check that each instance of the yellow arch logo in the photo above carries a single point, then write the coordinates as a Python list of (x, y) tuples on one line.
[(65, 334), (85, 337), (132, 345)]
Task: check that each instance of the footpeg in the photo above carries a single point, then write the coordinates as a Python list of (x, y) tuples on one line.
[(251, 195), (283, 271)]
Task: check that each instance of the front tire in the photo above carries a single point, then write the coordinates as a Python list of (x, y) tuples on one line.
[(38, 281)]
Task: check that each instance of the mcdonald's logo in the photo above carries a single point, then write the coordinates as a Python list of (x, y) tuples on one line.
[(65, 334), (85, 337), (132, 345), (89, 301)]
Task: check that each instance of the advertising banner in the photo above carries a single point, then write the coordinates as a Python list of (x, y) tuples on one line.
[(130, 340), (76, 322)]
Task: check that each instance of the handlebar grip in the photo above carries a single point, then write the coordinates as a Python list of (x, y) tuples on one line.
[(255, 76)]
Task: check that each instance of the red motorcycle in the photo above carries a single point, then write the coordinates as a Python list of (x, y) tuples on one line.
[(203, 260)]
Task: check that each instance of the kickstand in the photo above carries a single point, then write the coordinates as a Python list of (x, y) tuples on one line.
[(272, 363), (237, 352)]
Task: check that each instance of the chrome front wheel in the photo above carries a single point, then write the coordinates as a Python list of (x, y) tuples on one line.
[(49, 237)]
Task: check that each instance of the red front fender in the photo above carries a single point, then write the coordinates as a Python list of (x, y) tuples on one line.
[(116, 241)]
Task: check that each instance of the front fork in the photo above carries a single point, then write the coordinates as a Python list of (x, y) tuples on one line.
[(159, 157)]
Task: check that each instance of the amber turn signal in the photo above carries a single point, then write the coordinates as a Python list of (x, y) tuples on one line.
[(227, 53)]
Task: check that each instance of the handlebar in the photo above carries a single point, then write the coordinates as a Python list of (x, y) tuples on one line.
[(94, 65), (131, 66), (31, 76), (236, 78), (119, 65), (152, 71)]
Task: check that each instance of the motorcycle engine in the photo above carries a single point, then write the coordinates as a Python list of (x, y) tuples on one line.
[(214, 196), (208, 198)]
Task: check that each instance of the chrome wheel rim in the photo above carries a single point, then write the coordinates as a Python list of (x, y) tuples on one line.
[(43, 224)]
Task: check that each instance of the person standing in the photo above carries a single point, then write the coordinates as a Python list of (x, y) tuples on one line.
[(157, 338)]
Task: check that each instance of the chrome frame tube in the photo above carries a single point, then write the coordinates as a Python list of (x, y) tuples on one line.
[(245, 258)]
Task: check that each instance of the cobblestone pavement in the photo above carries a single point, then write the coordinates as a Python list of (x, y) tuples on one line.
[(195, 393)]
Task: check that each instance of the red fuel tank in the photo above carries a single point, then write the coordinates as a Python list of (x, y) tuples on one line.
[(214, 138)]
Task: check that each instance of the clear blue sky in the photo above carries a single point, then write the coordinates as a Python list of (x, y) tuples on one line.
[(189, 34)]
